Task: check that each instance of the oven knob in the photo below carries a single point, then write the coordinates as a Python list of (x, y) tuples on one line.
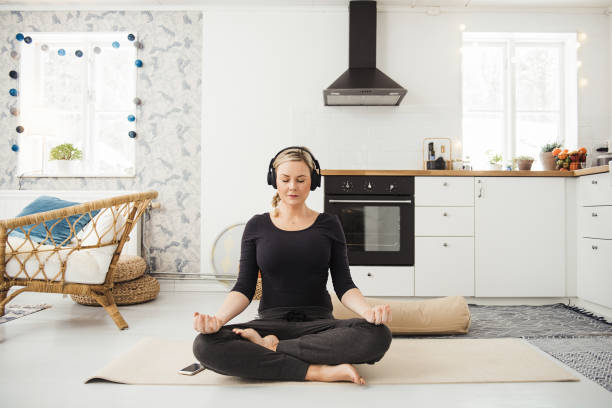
[(346, 185), (368, 185)]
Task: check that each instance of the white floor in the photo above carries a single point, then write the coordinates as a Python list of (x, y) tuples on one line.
[(46, 356)]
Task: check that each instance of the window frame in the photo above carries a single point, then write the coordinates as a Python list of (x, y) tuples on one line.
[(567, 43), (87, 41)]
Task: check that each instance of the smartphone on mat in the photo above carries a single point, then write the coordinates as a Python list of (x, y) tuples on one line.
[(192, 369)]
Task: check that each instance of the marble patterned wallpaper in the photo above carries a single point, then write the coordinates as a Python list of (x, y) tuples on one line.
[(168, 145)]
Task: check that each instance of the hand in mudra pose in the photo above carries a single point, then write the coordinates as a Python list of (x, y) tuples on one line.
[(206, 324), (379, 314)]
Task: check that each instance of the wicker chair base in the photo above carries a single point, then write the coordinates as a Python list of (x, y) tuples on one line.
[(258, 291), (143, 289)]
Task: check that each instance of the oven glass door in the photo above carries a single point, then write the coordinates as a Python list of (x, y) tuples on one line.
[(378, 231)]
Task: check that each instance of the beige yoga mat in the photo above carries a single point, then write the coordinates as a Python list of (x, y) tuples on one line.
[(408, 361)]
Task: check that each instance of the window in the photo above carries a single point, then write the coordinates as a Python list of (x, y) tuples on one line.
[(77, 88), (519, 93)]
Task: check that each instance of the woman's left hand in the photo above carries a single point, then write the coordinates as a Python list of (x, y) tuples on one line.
[(379, 314)]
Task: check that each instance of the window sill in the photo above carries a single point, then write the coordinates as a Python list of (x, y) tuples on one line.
[(76, 175)]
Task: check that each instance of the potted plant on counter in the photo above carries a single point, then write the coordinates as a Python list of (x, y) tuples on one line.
[(524, 162), (495, 160), (546, 156)]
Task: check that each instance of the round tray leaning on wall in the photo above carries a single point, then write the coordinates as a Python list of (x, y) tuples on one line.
[(131, 285)]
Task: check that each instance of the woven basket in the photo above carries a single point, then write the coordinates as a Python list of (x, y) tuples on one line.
[(129, 267), (131, 292)]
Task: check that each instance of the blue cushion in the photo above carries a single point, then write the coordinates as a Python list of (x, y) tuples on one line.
[(61, 231)]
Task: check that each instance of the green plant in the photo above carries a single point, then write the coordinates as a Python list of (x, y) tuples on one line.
[(525, 158), (550, 147), (494, 158), (65, 151)]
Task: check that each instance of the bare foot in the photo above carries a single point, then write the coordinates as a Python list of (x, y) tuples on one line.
[(340, 372), (270, 341)]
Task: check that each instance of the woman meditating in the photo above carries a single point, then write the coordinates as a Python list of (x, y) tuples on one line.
[(295, 336)]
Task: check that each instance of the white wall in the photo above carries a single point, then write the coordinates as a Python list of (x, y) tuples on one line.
[(265, 70)]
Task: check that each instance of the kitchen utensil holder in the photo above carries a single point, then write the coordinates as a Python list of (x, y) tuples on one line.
[(448, 161)]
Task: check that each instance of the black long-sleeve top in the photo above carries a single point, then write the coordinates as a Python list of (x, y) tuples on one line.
[(294, 264)]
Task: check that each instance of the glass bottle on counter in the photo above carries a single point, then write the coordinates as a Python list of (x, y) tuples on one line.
[(467, 165)]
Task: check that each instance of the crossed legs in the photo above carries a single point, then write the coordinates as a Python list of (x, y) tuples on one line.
[(319, 350)]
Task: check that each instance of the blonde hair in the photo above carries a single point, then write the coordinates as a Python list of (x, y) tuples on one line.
[(300, 153)]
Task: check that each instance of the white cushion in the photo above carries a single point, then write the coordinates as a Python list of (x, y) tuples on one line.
[(103, 226), (83, 266)]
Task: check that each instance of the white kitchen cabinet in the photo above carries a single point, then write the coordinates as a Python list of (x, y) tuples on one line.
[(444, 266), (595, 189), (596, 222), (381, 280), (444, 221), (595, 271), (594, 277), (519, 236), (444, 191), (444, 236)]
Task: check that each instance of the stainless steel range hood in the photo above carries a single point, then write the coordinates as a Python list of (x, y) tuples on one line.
[(362, 83)]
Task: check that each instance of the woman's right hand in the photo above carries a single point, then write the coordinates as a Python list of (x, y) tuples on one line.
[(206, 324)]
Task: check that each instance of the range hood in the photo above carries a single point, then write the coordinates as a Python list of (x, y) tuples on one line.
[(362, 83)]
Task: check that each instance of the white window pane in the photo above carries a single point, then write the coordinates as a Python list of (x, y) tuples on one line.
[(63, 78), (31, 151), (538, 72), (534, 130), (61, 128), (114, 78), (481, 132), (114, 149), (483, 77)]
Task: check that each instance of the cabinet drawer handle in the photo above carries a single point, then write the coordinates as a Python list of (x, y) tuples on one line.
[(445, 184), (369, 273), (594, 214), (445, 244), (594, 246), (593, 181), (445, 214)]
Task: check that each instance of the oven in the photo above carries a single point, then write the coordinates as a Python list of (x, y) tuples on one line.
[(377, 215)]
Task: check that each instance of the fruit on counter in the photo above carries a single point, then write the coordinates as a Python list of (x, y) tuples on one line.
[(569, 160)]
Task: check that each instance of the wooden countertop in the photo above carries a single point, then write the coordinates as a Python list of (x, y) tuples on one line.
[(468, 173)]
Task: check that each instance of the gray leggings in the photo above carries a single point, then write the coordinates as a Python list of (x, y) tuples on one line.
[(306, 336)]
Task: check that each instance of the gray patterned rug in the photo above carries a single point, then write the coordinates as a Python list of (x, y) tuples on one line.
[(574, 336), (12, 312)]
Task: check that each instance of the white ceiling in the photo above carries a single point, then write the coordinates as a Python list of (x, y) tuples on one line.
[(253, 3)]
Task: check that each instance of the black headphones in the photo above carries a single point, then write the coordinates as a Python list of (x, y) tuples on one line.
[(315, 176)]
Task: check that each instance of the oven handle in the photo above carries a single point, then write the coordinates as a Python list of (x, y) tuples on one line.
[(370, 201)]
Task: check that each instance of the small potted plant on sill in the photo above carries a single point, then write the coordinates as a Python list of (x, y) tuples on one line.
[(495, 160), (524, 162), (546, 156), (65, 157)]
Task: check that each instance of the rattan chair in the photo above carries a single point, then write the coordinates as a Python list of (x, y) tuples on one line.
[(125, 210)]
